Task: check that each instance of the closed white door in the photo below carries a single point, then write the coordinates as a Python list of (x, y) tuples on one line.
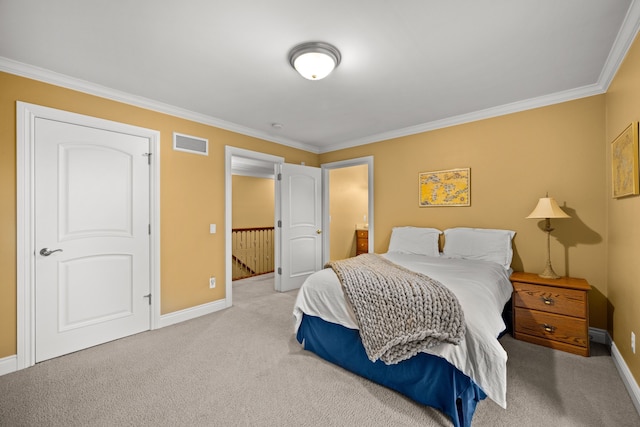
[(301, 225), (92, 278)]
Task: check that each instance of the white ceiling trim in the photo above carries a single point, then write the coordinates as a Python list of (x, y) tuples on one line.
[(624, 39), (515, 107)]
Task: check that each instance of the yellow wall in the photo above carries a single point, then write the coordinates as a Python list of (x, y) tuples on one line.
[(192, 195), (253, 202), (623, 107), (348, 206), (514, 160)]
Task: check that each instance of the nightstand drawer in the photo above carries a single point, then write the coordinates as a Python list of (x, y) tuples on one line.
[(569, 302), (551, 326), (362, 241)]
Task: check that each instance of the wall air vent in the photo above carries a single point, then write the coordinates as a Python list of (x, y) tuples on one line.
[(190, 144)]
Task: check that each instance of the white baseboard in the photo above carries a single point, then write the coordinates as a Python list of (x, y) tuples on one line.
[(602, 336), (191, 313), (8, 364), (626, 375)]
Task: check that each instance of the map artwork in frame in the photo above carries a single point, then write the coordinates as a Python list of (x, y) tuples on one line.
[(445, 188), (624, 162)]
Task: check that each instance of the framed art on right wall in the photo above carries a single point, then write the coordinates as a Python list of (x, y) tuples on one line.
[(624, 163)]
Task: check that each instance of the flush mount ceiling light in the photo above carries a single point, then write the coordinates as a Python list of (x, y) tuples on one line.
[(314, 60)]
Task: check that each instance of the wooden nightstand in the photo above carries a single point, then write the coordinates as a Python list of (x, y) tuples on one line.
[(362, 242), (551, 312)]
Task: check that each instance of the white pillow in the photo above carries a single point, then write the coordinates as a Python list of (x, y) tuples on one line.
[(483, 244), (415, 240)]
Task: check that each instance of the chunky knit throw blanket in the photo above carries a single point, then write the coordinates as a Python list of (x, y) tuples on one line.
[(399, 312)]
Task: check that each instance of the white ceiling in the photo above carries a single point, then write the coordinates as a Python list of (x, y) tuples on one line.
[(407, 66)]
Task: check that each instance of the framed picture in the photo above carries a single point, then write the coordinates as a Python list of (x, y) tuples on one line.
[(445, 188), (624, 162)]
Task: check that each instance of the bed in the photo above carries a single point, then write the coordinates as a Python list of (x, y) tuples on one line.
[(475, 266)]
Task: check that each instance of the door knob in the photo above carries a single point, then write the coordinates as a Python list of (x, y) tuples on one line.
[(319, 231), (47, 252)]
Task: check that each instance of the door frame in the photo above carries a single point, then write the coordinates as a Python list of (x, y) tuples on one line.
[(25, 236), (229, 152), (326, 226)]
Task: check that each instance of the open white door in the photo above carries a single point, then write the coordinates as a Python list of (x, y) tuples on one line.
[(299, 224)]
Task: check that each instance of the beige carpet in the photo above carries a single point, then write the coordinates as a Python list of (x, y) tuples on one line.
[(243, 367)]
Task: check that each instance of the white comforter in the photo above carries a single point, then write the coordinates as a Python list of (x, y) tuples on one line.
[(482, 288)]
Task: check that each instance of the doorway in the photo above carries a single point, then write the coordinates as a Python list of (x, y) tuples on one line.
[(298, 216), (252, 234), (348, 211), (359, 220), (248, 162), (243, 163)]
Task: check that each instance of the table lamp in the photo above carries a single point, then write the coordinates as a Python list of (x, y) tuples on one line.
[(546, 209)]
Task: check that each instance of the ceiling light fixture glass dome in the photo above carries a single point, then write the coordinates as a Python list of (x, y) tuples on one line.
[(314, 60)]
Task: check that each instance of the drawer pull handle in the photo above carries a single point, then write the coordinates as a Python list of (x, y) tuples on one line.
[(547, 301), (549, 328)]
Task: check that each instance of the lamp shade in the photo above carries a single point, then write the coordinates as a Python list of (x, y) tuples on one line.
[(314, 60), (547, 207)]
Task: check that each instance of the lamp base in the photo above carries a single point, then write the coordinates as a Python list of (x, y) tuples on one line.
[(548, 273)]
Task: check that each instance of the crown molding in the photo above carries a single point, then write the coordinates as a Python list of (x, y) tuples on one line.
[(47, 76), (624, 39), (515, 107)]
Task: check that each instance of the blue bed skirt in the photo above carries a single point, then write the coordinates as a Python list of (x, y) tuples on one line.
[(425, 378)]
